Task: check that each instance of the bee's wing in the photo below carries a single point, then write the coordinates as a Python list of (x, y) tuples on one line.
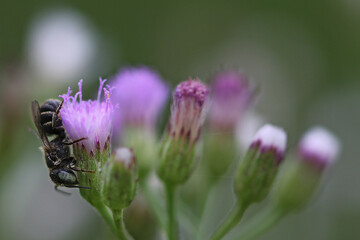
[(35, 112)]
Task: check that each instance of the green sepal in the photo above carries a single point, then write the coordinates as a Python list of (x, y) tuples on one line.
[(91, 162), (177, 160), (297, 185), (255, 176), (120, 184)]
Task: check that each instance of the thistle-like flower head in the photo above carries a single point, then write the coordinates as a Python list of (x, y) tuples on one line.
[(231, 96), (319, 147), (272, 139), (190, 101), (91, 119), (141, 95)]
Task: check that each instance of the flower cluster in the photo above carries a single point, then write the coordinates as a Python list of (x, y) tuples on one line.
[(110, 180)]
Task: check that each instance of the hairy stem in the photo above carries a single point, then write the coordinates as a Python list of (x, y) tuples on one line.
[(121, 231), (262, 224), (106, 215), (171, 211)]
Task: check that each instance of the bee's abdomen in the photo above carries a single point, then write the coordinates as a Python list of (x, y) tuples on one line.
[(50, 105)]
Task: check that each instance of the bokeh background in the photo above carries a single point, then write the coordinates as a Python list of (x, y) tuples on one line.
[(303, 55)]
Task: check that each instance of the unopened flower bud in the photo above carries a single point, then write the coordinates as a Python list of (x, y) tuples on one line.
[(178, 149), (231, 96), (258, 169), (318, 149), (120, 179)]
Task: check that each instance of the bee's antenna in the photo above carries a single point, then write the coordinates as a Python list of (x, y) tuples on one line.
[(70, 142), (60, 106)]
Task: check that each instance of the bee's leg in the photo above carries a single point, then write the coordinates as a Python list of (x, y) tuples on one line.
[(72, 166), (61, 191), (59, 108), (71, 142), (81, 170), (73, 186)]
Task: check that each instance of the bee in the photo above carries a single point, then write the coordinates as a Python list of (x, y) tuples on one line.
[(50, 119), (57, 151)]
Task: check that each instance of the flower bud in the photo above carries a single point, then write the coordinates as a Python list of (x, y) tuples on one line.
[(318, 149), (178, 148), (141, 95), (258, 169), (120, 179), (231, 97)]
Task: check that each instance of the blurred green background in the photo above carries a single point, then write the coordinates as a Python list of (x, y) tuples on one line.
[(304, 55)]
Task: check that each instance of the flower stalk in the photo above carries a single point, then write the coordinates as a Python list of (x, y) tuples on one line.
[(121, 231), (230, 222), (255, 174), (299, 181), (179, 150)]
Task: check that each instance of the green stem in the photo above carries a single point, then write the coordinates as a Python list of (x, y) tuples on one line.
[(121, 231), (171, 211), (155, 204), (205, 206), (230, 222), (262, 224), (106, 215)]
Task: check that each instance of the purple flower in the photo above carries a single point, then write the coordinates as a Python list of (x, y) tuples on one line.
[(91, 119), (319, 147), (231, 96), (141, 95), (270, 139), (190, 101)]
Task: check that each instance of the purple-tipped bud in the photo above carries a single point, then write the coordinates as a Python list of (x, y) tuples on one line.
[(258, 169), (91, 119), (319, 147), (270, 138), (231, 96), (141, 95), (178, 149), (188, 111)]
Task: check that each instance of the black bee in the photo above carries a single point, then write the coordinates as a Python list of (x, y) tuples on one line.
[(57, 151)]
